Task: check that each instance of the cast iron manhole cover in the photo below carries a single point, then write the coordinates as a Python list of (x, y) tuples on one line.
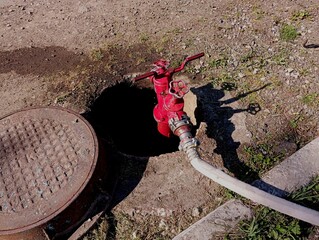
[(47, 156)]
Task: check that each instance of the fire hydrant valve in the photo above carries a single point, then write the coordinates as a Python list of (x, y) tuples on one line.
[(169, 93)]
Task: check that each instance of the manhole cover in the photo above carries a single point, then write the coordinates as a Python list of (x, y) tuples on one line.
[(47, 156)]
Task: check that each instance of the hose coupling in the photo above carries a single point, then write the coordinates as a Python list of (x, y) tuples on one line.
[(182, 128)]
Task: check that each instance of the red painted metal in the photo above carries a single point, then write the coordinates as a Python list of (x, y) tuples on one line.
[(169, 92)]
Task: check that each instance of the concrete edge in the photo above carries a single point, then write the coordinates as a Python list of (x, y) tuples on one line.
[(218, 222)]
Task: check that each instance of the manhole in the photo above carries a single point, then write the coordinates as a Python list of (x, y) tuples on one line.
[(47, 156), (124, 113)]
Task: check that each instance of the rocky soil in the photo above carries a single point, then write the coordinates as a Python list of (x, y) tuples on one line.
[(257, 90)]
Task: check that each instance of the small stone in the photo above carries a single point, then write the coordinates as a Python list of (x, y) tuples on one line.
[(197, 66), (196, 211), (255, 71), (295, 75), (162, 224), (241, 75), (289, 70), (161, 212), (134, 235), (30, 11), (82, 9)]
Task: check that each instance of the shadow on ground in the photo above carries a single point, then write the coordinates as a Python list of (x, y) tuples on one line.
[(217, 114)]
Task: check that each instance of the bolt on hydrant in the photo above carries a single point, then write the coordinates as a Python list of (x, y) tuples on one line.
[(169, 113)]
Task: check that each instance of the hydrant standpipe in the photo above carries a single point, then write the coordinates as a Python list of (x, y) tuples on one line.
[(171, 119), (169, 93)]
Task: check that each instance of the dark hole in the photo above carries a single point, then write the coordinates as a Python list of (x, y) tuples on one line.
[(124, 114)]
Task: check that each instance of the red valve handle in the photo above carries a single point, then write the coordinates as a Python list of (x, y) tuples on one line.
[(178, 88), (194, 57), (178, 69), (188, 59), (145, 75)]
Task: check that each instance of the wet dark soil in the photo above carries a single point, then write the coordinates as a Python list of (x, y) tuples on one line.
[(39, 61)]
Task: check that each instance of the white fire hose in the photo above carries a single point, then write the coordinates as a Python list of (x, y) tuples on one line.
[(189, 144)]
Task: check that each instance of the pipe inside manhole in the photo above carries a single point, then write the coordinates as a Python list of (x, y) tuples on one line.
[(124, 114)]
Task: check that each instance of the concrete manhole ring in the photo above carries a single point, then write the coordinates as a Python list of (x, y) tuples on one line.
[(47, 156)]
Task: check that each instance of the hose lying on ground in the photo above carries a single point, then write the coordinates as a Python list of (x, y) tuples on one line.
[(279, 204)]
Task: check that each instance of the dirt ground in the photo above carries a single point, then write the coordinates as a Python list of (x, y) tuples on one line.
[(255, 90)]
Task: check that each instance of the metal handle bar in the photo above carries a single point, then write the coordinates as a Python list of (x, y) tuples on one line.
[(178, 69), (145, 75), (188, 59)]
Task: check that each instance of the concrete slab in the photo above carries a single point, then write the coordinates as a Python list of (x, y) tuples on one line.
[(218, 222), (293, 173)]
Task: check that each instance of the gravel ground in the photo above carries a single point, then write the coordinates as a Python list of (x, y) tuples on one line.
[(70, 53)]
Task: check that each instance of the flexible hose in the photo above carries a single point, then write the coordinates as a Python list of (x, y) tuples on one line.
[(189, 144), (250, 192)]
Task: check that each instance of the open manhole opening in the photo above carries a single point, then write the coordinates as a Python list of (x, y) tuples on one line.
[(124, 114)]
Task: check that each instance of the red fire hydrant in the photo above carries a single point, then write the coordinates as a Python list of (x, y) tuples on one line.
[(169, 93)]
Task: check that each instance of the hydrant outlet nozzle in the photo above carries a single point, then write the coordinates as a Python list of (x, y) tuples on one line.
[(182, 129)]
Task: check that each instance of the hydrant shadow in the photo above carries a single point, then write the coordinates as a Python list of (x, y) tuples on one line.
[(214, 111)]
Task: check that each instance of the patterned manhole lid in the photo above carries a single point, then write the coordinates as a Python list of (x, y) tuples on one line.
[(47, 156)]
